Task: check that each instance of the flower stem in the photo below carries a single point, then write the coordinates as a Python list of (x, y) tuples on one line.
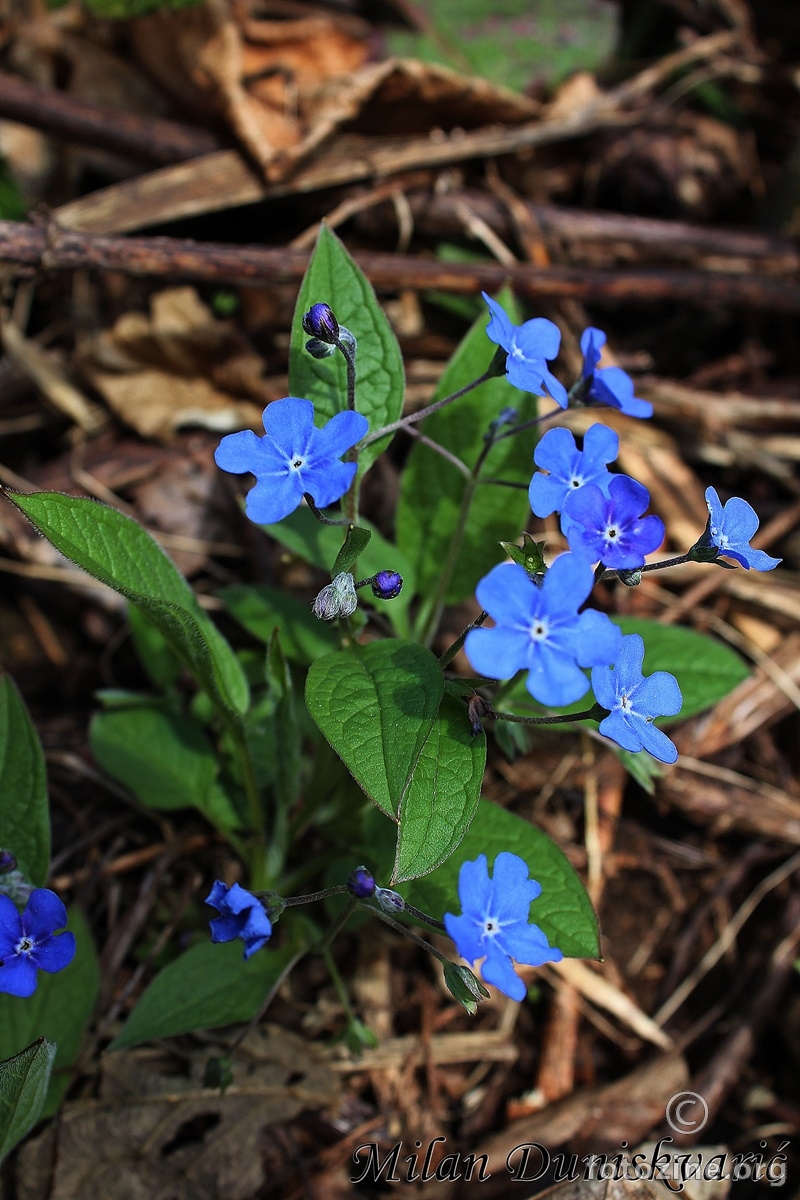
[(453, 649), (409, 933), (422, 413), (590, 714), (321, 516)]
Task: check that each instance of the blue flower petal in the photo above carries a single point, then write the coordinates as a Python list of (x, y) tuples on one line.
[(600, 446), (10, 926), (659, 695), (340, 434), (613, 386), (555, 679), (592, 342), (567, 583), (596, 639), (555, 389), (225, 928), (55, 953), (498, 653), (528, 944), (656, 742), (44, 913), (617, 727), (467, 935), (475, 889), (239, 452), (511, 884), (500, 329), (508, 595), (18, 976), (527, 376), (272, 500), (328, 482), (498, 970), (289, 423), (538, 339)]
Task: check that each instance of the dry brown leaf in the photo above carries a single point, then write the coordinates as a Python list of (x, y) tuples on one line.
[(157, 1135), (180, 366)]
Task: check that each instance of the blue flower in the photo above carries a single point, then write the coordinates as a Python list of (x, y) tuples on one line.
[(609, 385), (569, 467), (29, 942), (494, 921), (242, 915), (386, 585), (294, 457), (538, 629), (634, 701), (528, 347), (730, 529), (611, 529)]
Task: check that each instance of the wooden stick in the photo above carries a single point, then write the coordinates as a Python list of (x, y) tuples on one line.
[(49, 248), (150, 138), (438, 216)]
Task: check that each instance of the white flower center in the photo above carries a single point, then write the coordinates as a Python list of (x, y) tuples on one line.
[(491, 927), (538, 630), (296, 462), (611, 533), (24, 946), (575, 482)]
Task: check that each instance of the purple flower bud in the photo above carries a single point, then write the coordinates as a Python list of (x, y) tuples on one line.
[(7, 862), (319, 322), (387, 584), (361, 884)]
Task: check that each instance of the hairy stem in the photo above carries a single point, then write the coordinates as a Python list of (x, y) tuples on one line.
[(422, 413)]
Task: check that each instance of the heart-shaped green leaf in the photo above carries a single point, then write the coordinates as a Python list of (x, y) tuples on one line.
[(376, 705)]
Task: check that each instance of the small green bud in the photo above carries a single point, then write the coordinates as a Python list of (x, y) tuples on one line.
[(464, 987)]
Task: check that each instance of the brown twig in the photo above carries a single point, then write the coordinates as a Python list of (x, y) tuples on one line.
[(153, 139), (48, 247)]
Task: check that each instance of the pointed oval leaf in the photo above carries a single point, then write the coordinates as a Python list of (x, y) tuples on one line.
[(333, 278), (207, 987), (376, 705), (165, 759), (23, 1087), (116, 550), (563, 910), (443, 794), (24, 815)]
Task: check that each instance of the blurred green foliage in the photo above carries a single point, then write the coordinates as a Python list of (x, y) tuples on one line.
[(515, 42)]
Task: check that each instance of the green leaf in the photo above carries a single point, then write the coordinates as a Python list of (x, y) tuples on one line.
[(118, 551), (333, 278), (443, 795), (352, 548), (563, 910), (376, 706), (24, 815), (153, 650), (23, 1087), (165, 759), (59, 1010), (207, 987), (514, 42), (263, 610), (432, 489), (641, 766), (706, 669)]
